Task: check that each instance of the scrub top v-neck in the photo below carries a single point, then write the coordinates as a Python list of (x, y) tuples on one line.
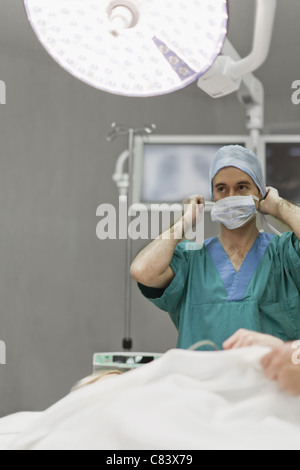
[(236, 283), (209, 300)]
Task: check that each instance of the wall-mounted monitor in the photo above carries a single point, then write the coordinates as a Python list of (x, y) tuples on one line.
[(280, 155), (168, 169)]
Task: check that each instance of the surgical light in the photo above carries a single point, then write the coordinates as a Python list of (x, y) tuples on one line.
[(132, 47)]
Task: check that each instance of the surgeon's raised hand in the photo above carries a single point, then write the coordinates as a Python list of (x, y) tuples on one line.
[(245, 338), (283, 366), (271, 203), (193, 208)]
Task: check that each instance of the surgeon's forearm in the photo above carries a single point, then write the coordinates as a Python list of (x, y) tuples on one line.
[(152, 266), (289, 214)]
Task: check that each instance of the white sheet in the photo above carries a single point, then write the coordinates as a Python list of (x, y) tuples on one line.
[(11, 426), (185, 400)]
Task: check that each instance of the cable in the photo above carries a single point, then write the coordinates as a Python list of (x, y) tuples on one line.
[(200, 344)]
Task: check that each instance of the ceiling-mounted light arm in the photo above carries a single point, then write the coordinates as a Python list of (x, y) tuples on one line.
[(226, 75), (230, 73), (251, 95), (263, 30)]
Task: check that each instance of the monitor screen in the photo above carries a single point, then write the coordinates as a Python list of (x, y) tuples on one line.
[(169, 170), (282, 160)]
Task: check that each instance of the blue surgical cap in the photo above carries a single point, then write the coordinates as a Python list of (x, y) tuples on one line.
[(241, 158)]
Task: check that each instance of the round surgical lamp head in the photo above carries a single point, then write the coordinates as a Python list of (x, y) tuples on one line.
[(132, 47)]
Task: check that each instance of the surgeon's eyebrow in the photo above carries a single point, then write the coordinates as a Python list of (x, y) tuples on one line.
[(243, 182), (237, 184)]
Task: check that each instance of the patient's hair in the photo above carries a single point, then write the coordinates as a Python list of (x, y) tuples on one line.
[(91, 379)]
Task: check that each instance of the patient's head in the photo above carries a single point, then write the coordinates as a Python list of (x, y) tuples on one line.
[(100, 375)]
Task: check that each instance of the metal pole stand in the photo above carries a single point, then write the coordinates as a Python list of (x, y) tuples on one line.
[(119, 130)]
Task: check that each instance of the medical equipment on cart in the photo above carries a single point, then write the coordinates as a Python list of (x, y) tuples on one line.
[(121, 361)]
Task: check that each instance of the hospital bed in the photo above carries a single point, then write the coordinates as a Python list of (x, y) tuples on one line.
[(184, 400)]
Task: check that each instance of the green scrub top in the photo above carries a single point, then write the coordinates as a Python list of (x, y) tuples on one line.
[(209, 300)]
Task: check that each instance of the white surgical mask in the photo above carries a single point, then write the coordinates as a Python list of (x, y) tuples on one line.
[(235, 211)]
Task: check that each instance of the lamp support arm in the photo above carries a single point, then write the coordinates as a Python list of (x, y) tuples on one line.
[(264, 24)]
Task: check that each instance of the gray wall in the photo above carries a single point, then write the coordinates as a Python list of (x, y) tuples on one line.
[(61, 289)]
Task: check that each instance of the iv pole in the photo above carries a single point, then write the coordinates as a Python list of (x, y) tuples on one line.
[(126, 190)]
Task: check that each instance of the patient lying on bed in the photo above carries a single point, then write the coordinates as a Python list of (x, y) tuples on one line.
[(186, 400), (282, 364)]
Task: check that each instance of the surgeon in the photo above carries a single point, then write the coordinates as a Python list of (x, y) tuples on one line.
[(242, 287)]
